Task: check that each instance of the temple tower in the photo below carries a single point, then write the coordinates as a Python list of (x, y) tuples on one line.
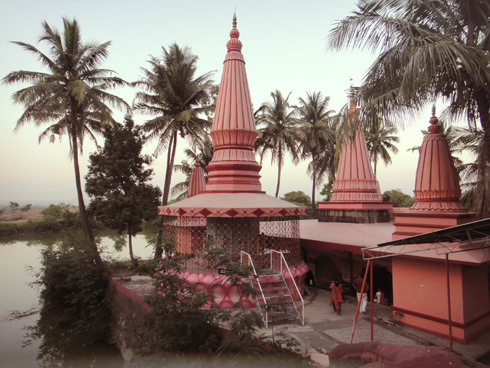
[(417, 279), (233, 213), (197, 182), (356, 196), (437, 189), (233, 168)]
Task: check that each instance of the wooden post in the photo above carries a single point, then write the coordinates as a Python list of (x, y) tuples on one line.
[(449, 304), (359, 302), (372, 305)]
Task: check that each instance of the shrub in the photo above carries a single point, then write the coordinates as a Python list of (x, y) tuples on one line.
[(72, 282), (183, 319)]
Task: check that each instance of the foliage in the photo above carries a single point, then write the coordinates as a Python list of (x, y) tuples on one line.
[(428, 50), (14, 205), (118, 182), (380, 139), (124, 268), (318, 133), (72, 96), (183, 320), (176, 99), (278, 133), (398, 198), (471, 140), (26, 208), (327, 190), (298, 198), (57, 218), (75, 309)]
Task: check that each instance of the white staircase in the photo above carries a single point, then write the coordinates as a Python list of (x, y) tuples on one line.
[(277, 296)]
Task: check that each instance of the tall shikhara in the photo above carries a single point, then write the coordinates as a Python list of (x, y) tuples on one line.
[(356, 196), (233, 168)]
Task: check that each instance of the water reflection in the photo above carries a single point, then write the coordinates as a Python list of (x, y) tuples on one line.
[(19, 262)]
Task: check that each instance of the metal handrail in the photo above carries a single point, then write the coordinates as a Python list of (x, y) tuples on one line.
[(266, 319), (283, 259)]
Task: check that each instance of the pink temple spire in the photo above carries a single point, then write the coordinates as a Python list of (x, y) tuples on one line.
[(356, 196), (355, 180), (233, 167), (197, 182), (437, 183)]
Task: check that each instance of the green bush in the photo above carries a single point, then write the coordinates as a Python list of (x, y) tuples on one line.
[(182, 321), (7, 229), (74, 288), (75, 310)]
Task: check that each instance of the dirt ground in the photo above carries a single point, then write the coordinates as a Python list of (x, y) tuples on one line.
[(21, 216)]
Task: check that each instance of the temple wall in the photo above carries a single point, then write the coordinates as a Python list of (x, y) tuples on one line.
[(130, 321), (420, 297)]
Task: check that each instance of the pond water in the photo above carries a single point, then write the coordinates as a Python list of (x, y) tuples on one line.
[(19, 307)]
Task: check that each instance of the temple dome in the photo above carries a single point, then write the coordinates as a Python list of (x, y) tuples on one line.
[(437, 183)]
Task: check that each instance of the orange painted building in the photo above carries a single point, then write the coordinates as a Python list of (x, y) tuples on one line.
[(419, 279)]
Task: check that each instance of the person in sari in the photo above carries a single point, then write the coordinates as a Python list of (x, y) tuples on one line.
[(336, 296)]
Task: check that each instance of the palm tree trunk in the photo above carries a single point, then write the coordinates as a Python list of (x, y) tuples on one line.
[(81, 203), (279, 167), (170, 168), (166, 190), (313, 205)]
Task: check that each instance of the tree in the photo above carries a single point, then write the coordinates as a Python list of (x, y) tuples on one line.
[(72, 95), (380, 139), (176, 99), (279, 133), (327, 190), (427, 50), (14, 205), (398, 198), (26, 208), (314, 118), (118, 182), (470, 140), (298, 198)]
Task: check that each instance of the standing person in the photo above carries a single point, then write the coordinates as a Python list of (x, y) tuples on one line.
[(357, 284), (336, 296), (310, 275)]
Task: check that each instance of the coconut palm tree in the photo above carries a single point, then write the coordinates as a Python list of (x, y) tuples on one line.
[(380, 140), (177, 101), (427, 50), (314, 118), (71, 95), (471, 140), (278, 132)]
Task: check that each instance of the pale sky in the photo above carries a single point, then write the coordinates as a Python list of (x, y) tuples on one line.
[(284, 45)]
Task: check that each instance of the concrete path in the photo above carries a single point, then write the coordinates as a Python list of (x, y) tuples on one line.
[(324, 330)]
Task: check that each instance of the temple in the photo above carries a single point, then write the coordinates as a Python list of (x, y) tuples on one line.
[(232, 213), (356, 195)]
